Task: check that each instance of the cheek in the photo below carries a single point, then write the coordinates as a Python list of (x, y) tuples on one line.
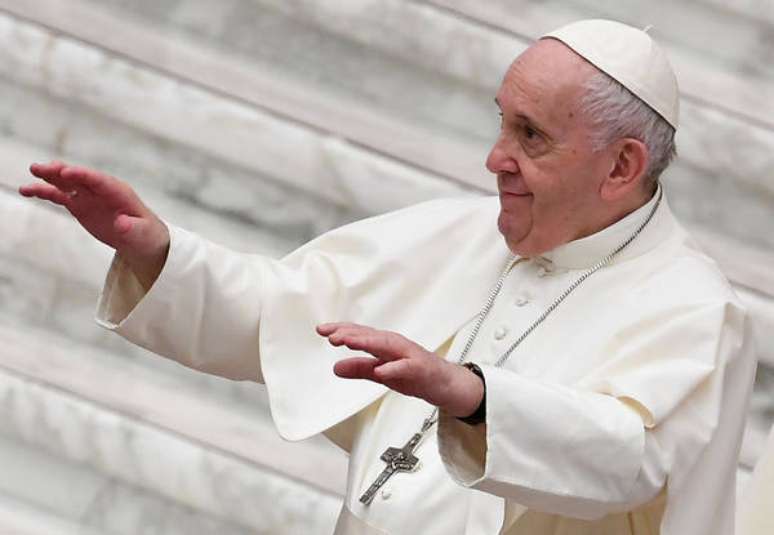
[(552, 201), (561, 203)]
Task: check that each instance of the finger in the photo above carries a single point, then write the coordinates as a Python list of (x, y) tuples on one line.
[(46, 192), (348, 332), (43, 170), (124, 223), (393, 371), (382, 344), (356, 368), (326, 329), (50, 172), (114, 193), (137, 233), (88, 178)]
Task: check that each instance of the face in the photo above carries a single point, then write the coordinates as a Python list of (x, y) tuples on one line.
[(548, 177)]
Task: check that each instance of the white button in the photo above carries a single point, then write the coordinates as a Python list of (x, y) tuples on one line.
[(386, 494), (521, 301), (542, 271), (500, 332)]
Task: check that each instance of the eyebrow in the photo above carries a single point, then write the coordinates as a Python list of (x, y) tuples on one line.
[(526, 118)]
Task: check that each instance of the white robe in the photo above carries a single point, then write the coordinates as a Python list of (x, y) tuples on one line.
[(755, 514), (623, 411)]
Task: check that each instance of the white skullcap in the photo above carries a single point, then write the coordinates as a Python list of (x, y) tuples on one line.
[(629, 56)]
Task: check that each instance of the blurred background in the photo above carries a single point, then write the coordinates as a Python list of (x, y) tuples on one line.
[(261, 124)]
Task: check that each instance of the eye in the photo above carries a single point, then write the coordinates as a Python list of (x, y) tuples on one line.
[(533, 141)]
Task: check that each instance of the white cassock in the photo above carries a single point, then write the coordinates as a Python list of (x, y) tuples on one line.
[(621, 413), (755, 512)]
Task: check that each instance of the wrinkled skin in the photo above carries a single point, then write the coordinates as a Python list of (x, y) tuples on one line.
[(554, 188)]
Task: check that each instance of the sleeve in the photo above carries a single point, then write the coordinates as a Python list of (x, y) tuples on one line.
[(598, 447), (553, 448), (253, 317), (202, 311)]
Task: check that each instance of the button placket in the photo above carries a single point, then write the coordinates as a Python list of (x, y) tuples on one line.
[(500, 332)]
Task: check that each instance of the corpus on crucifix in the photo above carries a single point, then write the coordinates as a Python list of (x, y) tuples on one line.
[(398, 460)]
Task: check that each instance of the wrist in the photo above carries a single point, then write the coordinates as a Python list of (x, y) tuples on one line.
[(465, 392), (147, 268), (477, 414)]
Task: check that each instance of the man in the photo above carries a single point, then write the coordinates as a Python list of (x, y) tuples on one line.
[(606, 373)]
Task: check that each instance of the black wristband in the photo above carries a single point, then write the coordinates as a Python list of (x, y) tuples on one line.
[(479, 415)]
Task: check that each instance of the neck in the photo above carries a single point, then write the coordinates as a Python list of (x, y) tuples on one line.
[(607, 215), (617, 211)]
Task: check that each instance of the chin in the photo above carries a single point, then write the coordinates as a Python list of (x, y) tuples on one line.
[(516, 236), (520, 239)]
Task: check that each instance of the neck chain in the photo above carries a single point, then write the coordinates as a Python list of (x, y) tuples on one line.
[(403, 459)]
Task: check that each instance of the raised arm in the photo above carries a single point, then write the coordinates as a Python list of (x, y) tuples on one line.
[(109, 210), (167, 290)]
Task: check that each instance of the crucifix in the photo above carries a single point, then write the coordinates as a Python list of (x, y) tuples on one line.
[(398, 460)]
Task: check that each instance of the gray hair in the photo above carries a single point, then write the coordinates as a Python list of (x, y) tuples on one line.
[(615, 113)]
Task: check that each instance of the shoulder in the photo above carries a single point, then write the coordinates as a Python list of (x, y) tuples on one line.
[(680, 276), (422, 229), (427, 219), (438, 211)]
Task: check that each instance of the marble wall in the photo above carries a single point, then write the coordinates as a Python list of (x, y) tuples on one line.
[(261, 124)]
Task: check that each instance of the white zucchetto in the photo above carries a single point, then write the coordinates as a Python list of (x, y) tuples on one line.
[(629, 56)]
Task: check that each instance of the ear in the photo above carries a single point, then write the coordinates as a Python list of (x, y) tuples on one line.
[(630, 158)]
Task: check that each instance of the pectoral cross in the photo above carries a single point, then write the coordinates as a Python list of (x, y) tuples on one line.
[(398, 460)]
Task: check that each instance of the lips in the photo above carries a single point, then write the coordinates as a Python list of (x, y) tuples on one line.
[(511, 180)]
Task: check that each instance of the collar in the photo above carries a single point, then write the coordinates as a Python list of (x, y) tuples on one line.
[(585, 252)]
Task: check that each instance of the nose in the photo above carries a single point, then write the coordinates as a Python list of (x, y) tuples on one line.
[(500, 160)]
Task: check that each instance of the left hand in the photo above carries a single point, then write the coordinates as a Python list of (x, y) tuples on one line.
[(406, 367)]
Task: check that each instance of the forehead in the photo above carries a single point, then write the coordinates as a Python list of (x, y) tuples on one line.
[(545, 82)]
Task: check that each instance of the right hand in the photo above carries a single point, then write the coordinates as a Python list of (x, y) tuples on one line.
[(109, 210)]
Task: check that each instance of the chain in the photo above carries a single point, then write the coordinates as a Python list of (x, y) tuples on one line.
[(433, 418)]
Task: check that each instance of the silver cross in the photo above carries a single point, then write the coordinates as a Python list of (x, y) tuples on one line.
[(398, 460)]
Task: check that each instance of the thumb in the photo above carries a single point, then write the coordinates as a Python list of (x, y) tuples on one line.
[(138, 234), (123, 224)]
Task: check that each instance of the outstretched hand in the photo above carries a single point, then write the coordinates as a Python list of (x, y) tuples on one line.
[(404, 366), (108, 209)]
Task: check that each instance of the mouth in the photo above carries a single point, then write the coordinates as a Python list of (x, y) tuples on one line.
[(518, 190)]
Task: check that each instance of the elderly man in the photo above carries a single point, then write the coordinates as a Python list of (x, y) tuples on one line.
[(588, 374)]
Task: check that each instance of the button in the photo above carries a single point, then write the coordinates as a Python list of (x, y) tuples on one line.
[(521, 301), (386, 494), (500, 332), (542, 271)]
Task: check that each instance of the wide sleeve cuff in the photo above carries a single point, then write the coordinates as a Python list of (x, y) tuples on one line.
[(203, 309), (546, 446), (124, 305)]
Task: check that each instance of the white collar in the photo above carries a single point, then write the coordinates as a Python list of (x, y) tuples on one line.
[(585, 252)]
